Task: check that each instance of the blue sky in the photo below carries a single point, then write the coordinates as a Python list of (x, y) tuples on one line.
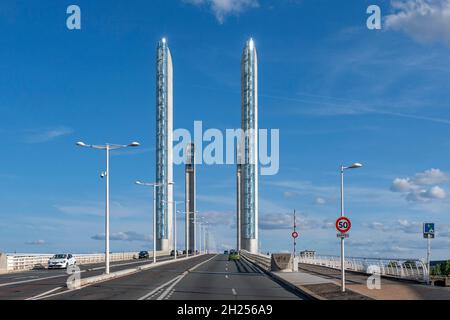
[(338, 93)]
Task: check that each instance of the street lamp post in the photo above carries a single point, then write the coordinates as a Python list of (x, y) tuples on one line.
[(343, 168), (174, 224), (188, 219), (108, 148), (205, 236), (202, 224), (154, 185)]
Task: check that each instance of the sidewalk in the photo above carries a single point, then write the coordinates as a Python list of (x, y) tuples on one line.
[(317, 288), (325, 285)]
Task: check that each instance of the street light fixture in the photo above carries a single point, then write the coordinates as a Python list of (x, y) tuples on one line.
[(355, 165), (154, 185), (202, 223), (187, 235), (108, 148), (174, 225)]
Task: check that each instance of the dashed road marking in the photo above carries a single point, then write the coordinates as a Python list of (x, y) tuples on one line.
[(171, 283)]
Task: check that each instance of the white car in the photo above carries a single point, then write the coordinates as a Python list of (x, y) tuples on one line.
[(61, 261)]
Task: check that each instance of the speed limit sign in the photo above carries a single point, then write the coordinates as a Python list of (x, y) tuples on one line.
[(343, 224)]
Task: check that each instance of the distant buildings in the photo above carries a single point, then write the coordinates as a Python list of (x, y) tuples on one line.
[(308, 254)]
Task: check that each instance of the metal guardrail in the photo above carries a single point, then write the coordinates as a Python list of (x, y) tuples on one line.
[(23, 262), (262, 260), (409, 269)]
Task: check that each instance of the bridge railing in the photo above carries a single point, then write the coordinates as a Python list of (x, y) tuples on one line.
[(23, 262), (410, 269), (262, 260)]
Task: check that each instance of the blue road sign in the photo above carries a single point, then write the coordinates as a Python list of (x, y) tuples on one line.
[(428, 230)]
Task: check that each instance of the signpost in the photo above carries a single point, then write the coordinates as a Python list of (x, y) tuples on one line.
[(428, 233), (295, 233), (343, 225), (294, 236)]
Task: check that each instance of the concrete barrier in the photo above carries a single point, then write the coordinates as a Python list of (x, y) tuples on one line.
[(25, 262), (126, 272), (3, 263), (281, 262)]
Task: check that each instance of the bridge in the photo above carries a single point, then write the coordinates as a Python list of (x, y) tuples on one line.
[(211, 276)]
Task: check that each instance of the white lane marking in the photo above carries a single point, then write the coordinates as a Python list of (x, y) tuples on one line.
[(234, 291), (85, 286), (28, 277), (158, 289), (180, 277), (44, 293), (32, 280), (65, 275), (165, 293)]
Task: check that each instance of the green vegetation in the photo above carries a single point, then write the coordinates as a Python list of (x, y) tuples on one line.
[(441, 269)]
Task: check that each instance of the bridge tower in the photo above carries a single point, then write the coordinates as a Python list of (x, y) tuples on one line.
[(248, 201), (190, 189), (164, 157)]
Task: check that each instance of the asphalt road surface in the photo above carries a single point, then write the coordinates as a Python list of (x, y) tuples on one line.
[(200, 278), (220, 279), (29, 284)]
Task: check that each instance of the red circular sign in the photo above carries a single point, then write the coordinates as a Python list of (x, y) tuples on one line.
[(294, 234), (343, 224)]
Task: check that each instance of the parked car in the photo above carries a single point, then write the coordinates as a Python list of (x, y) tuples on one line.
[(144, 255), (61, 261), (225, 252)]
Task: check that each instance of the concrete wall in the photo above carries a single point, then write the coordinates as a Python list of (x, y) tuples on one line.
[(3, 263)]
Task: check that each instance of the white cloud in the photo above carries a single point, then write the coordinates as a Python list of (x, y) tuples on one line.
[(36, 242), (223, 8), (219, 218), (431, 176), (414, 189), (36, 136), (401, 185), (409, 226), (290, 195), (378, 226), (123, 236), (320, 200), (328, 224), (98, 209), (423, 20), (435, 192), (276, 221), (280, 221)]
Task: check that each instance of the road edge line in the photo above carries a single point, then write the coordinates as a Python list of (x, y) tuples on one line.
[(112, 276), (299, 289)]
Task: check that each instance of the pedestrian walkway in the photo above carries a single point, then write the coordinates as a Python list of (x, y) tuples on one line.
[(324, 283)]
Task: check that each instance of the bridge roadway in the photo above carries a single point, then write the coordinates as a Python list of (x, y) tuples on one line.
[(207, 277), (28, 284)]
